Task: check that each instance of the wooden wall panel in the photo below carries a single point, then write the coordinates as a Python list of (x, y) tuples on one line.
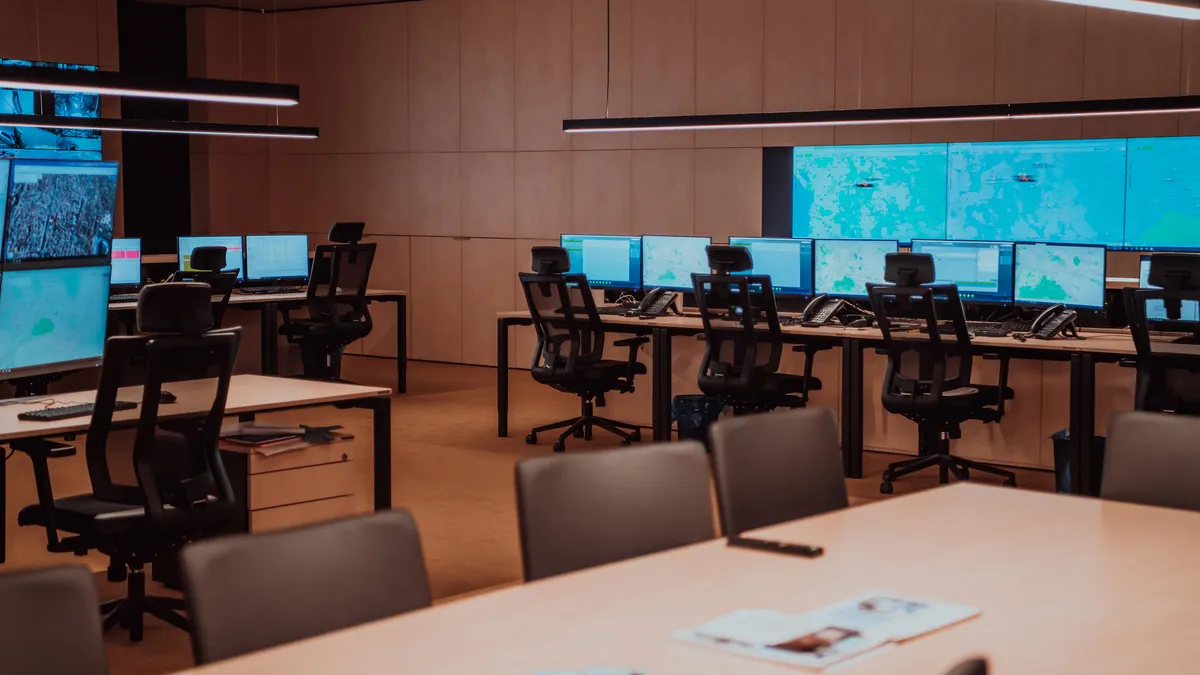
[(664, 67), (434, 190), (729, 66), (391, 270), (1039, 57), (295, 53), (384, 184), (1131, 55), (335, 52), (874, 64), (486, 49), (729, 193), (601, 192), (489, 268), (489, 194), (543, 74), (68, 31), (543, 193), (18, 29), (1189, 76), (237, 185), (381, 104), (601, 68), (433, 76), (953, 63), (799, 65), (664, 192), (436, 300)]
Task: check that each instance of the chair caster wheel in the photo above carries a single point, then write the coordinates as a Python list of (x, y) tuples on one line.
[(1010, 482), (966, 473), (559, 446), (531, 439), (626, 442), (637, 437), (887, 475), (886, 488)]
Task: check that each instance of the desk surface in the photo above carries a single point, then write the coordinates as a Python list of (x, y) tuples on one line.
[(1065, 585), (247, 393), (259, 299)]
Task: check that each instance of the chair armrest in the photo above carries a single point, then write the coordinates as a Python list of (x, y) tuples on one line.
[(39, 448), (1128, 363), (1002, 391), (40, 452), (634, 342)]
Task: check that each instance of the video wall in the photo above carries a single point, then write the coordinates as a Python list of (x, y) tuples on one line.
[(1133, 194), (49, 143)]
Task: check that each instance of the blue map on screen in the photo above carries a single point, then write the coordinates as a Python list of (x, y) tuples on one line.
[(1163, 199), (1060, 191), (869, 192)]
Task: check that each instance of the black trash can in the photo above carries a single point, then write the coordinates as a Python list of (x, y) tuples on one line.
[(694, 414), (1062, 460)]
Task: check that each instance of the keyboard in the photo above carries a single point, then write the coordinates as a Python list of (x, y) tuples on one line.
[(615, 310), (123, 297), (63, 412), (988, 328), (271, 290)]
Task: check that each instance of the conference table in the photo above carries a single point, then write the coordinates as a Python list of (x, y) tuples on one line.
[(269, 305), (1064, 585), (248, 395), (1082, 355)]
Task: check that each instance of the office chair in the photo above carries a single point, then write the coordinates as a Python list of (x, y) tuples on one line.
[(1168, 373), (580, 511), (49, 624), (970, 667), (181, 489), (570, 348), (251, 592), (770, 469), (928, 376), (743, 340), (336, 302), (1152, 459), (207, 263)]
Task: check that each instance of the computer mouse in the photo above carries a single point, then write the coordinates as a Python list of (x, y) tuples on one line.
[(863, 322), (166, 397)]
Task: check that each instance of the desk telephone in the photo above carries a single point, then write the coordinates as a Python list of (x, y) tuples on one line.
[(657, 303), (1055, 321), (821, 310)]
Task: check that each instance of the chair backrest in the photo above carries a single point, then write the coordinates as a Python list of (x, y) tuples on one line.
[(921, 365), (1168, 371), (50, 624), (776, 467), (1152, 458), (222, 284), (579, 511), (743, 340), (250, 592), (970, 667), (570, 334)]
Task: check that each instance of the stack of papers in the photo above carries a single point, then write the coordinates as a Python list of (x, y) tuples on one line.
[(273, 439), (830, 635)]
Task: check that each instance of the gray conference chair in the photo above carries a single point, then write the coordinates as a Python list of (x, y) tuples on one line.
[(251, 592), (970, 667), (777, 467), (1152, 458), (590, 509), (49, 624)]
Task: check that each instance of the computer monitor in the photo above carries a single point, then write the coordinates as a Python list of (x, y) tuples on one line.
[(233, 252), (272, 257), (52, 319), (126, 262), (982, 270), (60, 210), (1052, 274), (608, 261), (1162, 207), (844, 267), (787, 261), (1155, 310), (669, 262)]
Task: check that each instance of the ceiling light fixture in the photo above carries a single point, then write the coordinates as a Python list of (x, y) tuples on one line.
[(148, 86), (158, 127), (1178, 9), (992, 112)]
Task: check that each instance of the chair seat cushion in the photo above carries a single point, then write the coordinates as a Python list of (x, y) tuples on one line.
[(603, 374), (781, 384), (88, 515), (319, 329)]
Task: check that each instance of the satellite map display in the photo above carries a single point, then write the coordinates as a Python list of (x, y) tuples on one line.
[(51, 316), (1163, 199), (668, 262), (49, 143), (1070, 275), (869, 192), (60, 210), (1068, 191), (845, 267)]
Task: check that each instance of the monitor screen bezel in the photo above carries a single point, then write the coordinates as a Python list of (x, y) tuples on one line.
[(1012, 277), (246, 275), (864, 294), (786, 290), (682, 289), (631, 286), (242, 258), (1103, 276)]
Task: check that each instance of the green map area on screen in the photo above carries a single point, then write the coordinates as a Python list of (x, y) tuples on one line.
[(869, 192), (52, 315), (1060, 274), (1163, 205), (846, 267)]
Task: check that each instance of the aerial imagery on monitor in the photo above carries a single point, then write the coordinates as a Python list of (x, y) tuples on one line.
[(60, 215), (670, 261), (1060, 274), (846, 270)]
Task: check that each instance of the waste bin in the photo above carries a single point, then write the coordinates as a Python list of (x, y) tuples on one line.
[(1062, 460), (694, 414)]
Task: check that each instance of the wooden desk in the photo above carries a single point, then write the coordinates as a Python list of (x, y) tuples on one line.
[(1065, 585), (248, 394), (1082, 355), (269, 306)]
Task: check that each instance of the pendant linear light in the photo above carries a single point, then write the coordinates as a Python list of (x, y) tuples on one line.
[(1174, 10), (856, 117), (158, 127), (148, 86)]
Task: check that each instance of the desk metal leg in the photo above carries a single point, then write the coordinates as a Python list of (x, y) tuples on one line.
[(268, 313), (382, 431), (852, 408), (1083, 422), (501, 378), (661, 384), (401, 344)]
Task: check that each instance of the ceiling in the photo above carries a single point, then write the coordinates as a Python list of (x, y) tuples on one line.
[(256, 5)]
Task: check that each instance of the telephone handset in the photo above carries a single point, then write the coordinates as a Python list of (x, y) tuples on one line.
[(1055, 321), (821, 310), (657, 303)]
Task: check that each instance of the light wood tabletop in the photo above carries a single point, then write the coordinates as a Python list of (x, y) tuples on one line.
[(1065, 585), (264, 298)]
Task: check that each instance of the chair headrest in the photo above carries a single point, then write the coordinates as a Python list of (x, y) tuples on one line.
[(347, 233), (909, 269), (172, 309), (1175, 271), (551, 260), (208, 258), (726, 259)]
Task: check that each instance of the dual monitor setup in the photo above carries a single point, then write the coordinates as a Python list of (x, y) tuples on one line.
[(259, 258)]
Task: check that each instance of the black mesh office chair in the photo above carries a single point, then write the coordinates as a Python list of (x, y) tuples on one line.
[(570, 348), (928, 376), (181, 489), (337, 303), (1168, 372), (206, 263), (49, 624), (743, 340)]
